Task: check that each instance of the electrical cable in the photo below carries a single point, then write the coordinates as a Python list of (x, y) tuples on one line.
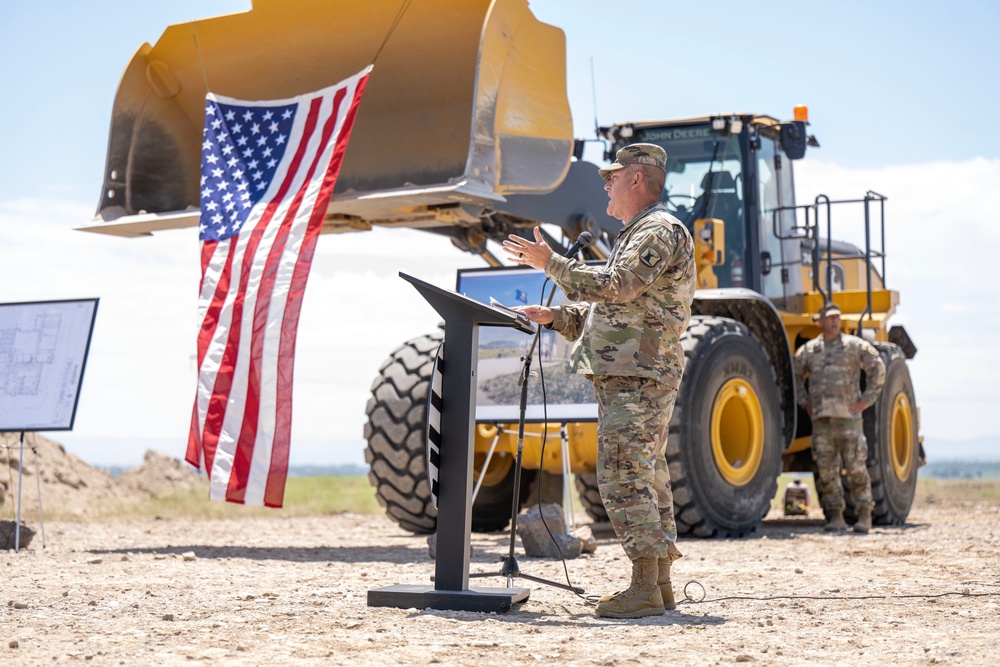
[(688, 599), (545, 437)]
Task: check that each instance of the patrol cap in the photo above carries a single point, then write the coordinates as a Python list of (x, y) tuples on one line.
[(650, 154), (829, 309)]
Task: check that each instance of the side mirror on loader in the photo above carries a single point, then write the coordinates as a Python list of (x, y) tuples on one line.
[(794, 139)]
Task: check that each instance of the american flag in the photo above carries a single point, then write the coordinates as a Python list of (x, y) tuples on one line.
[(268, 170)]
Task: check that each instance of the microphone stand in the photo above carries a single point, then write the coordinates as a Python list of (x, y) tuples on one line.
[(510, 568)]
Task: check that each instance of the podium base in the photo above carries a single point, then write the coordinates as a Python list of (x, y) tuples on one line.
[(408, 596)]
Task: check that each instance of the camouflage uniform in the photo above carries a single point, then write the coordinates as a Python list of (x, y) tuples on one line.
[(834, 371), (627, 318)]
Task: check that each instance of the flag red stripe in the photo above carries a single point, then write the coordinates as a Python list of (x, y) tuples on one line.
[(278, 472), (211, 319), (205, 335), (236, 491)]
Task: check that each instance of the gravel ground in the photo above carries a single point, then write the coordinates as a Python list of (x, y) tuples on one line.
[(283, 591)]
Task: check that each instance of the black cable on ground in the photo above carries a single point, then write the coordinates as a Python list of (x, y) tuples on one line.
[(688, 599)]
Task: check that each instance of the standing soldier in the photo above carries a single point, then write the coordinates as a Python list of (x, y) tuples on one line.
[(626, 319), (833, 362)]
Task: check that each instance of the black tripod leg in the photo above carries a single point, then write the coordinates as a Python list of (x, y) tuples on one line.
[(567, 587)]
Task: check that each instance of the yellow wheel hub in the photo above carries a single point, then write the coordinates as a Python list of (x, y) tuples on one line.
[(496, 471), (901, 437), (737, 432)]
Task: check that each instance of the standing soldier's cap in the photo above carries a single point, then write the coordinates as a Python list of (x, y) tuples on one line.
[(829, 309), (650, 154)]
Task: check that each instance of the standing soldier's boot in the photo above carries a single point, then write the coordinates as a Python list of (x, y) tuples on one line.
[(641, 598), (663, 581), (864, 523), (836, 522)]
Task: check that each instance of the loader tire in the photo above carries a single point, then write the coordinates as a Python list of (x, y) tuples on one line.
[(395, 431), (590, 497), (725, 441), (396, 454), (894, 451)]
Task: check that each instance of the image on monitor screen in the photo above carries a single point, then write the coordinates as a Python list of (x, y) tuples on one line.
[(568, 397)]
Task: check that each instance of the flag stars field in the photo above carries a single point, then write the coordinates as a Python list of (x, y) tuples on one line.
[(224, 133)]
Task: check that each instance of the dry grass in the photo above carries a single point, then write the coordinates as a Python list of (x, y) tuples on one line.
[(316, 496), (304, 496), (957, 490)]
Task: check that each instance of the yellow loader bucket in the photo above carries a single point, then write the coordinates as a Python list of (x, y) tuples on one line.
[(466, 103)]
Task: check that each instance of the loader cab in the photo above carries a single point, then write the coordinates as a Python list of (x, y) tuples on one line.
[(735, 169)]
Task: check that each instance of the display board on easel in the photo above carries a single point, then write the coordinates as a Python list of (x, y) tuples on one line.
[(43, 353)]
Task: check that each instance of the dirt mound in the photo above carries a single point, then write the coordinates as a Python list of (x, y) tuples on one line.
[(72, 488), (160, 475), (69, 486)]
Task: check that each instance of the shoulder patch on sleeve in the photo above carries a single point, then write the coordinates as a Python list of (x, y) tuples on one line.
[(649, 256)]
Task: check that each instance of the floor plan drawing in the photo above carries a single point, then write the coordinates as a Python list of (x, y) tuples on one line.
[(43, 348)]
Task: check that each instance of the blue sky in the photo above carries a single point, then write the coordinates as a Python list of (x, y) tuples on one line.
[(901, 98)]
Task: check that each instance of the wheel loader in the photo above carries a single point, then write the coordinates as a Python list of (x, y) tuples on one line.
[(465, 131)]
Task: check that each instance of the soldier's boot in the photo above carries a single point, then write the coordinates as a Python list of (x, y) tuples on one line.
[(663, 581), (836, 522), (641, 598), (864, 522)]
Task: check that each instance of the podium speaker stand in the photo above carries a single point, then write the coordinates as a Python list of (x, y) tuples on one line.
[(462, 318)]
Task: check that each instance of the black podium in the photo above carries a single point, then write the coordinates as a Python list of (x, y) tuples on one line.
[(463, 317)]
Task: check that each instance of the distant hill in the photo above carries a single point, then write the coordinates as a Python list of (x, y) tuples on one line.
[(961, 470), (976, 458), (986, 448)]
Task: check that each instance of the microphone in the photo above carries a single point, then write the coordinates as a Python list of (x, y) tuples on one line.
[(581, 242)]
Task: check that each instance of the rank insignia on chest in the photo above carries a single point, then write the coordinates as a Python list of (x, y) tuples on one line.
[(649, 256)]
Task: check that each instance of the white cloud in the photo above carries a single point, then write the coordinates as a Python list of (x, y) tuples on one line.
[(942, 247)]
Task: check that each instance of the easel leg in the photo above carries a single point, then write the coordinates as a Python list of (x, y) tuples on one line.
[(20, 476), (567, 491), (486, 465), (38, 481)]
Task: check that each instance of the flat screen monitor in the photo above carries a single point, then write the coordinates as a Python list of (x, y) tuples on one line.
[(568, 397), (43, 352)]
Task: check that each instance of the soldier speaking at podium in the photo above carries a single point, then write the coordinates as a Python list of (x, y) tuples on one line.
[(626, 319)]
